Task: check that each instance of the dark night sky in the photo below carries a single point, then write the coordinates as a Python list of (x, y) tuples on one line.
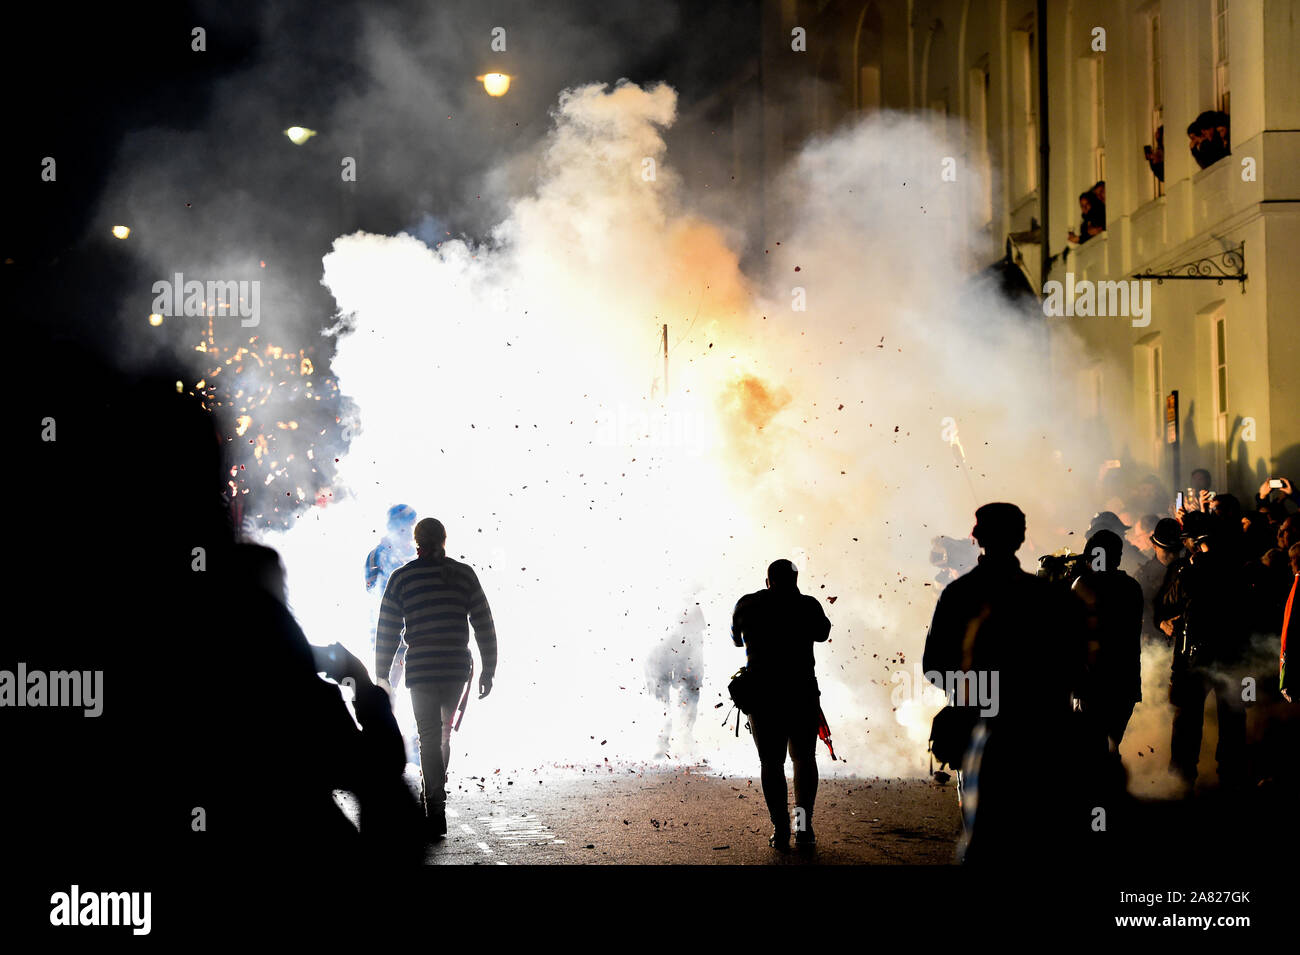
[(89, 84)]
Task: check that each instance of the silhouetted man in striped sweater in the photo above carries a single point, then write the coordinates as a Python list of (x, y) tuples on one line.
[(436, 599)]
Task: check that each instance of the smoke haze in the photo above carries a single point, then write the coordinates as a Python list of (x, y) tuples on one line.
[(839, 390), (512, 387)]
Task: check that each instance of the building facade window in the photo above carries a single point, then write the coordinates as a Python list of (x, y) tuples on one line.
[(1156, 99), (1219, 385), (1156, 400), (1025, 113), (867, 55), (1097, 118), (979, 139), (1090, 391), (1221, 91)]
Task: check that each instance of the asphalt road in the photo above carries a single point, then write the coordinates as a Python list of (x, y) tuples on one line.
[(613, 815)]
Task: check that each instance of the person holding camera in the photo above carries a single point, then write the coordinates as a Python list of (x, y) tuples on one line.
[(1202, 612)]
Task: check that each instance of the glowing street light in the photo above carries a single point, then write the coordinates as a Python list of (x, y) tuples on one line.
[(155, 319), (121, 231), (496, 84), (299, 134)]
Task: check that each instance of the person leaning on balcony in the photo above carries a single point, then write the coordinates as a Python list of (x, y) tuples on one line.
[(1093, 222), (1208, 137), (1156, 154)]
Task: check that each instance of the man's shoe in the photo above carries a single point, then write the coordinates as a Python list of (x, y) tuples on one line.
[(779, 840), (805, 839), (437, 823)]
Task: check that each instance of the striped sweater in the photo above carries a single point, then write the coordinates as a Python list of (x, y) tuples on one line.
[(435, 599)]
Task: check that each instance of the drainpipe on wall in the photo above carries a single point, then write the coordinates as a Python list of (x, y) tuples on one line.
[(1044, 192)]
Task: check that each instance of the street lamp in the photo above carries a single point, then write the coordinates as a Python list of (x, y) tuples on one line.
[(496, 84)]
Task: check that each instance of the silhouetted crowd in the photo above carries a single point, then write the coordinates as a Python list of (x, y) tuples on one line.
[(220, 743), (226, 736), (1213, 585)]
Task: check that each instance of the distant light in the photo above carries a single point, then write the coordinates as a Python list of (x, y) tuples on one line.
[(121, 231), (496, 84), (299, 134), (155, 319)]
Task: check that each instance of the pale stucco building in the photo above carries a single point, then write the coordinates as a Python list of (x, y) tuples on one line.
[(1116, 70)]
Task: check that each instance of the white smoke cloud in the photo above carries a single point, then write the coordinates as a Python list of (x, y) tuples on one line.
[(511, 388)]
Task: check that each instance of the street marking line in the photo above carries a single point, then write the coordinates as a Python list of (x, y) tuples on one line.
[(519, 830), (468, 830), (484, 847)]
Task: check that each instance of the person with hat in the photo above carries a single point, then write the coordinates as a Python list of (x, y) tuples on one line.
[(1203, 615), (1114, 625), (1171, 600), (1155, 573), (1132, 559)]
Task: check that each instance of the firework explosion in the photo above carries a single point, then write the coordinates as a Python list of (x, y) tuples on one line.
[(281, 423), (514, 389)]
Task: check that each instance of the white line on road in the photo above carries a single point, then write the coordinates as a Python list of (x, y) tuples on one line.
[(524, 829)]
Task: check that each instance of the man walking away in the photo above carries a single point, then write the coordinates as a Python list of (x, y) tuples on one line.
[(436, 599), (999, 623), (676, 666), (778, 627)]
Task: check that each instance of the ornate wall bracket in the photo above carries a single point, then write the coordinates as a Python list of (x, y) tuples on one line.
[(1228, 265)]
